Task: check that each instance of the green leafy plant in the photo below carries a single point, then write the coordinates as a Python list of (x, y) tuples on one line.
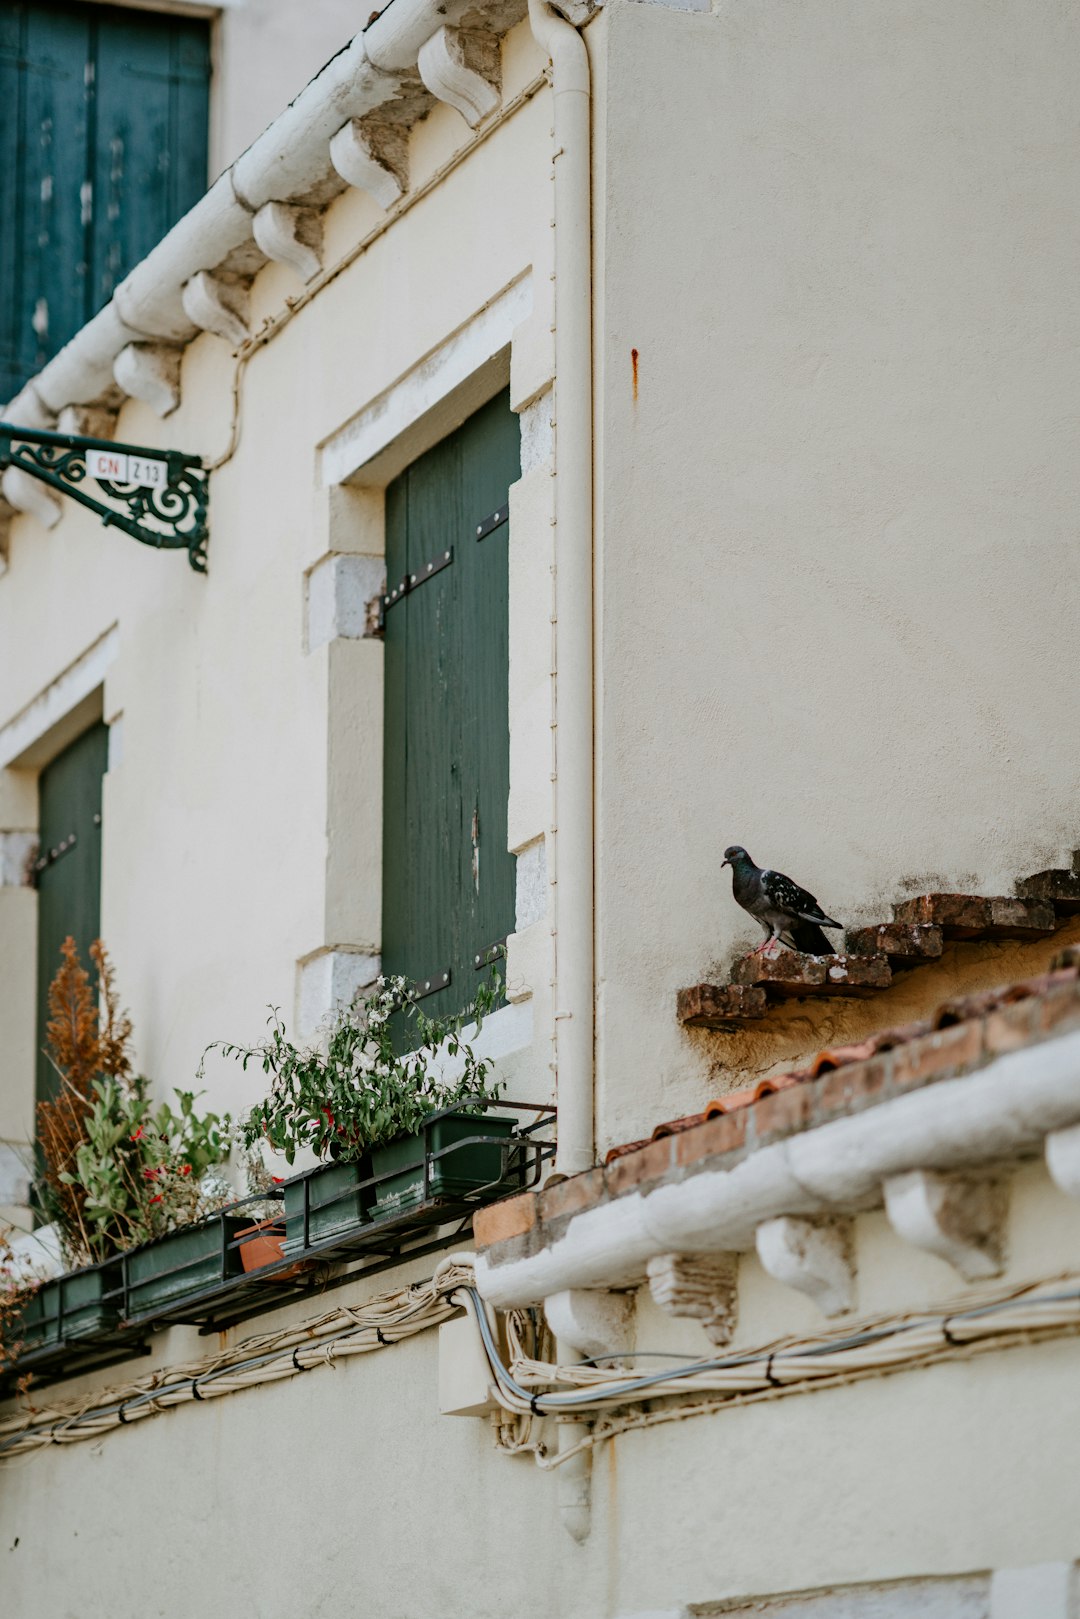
[(142, 1171), (358, 1090)]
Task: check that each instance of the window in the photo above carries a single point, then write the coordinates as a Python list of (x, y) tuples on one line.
[(103, 145), (448, 880), (69, 875)]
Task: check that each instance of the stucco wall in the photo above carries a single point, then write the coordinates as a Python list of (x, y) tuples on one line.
[(343, 1491), (837, 553)]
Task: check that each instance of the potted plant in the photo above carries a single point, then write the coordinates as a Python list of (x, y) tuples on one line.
[(357, 1094)]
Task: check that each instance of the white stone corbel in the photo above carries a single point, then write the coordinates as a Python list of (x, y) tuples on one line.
[(960, 1219), (699, 1286), (598, 1325), (462, 68), (1063, 1159), (27, 495), (214, 306), (373, 157), (290, 236), (814, 1259), (150, 372)]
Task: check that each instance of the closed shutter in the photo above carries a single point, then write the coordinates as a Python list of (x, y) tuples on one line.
[(448, 880), (69, 876), (103, 145)]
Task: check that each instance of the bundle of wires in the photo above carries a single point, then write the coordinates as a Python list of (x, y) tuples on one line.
[(531, 1389)]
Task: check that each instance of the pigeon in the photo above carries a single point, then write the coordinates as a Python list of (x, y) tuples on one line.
[(786, 911)]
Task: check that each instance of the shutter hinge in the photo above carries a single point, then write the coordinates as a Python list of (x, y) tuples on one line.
[(430, 986), (494, 952), (490, 524), (412, 581), (49, 857)]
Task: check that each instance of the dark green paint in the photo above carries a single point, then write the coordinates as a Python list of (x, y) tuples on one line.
[(69, 889), (447, 737), (103, 145)]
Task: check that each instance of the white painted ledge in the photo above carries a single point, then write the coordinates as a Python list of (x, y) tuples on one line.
[(431, 398), (1004, 1111), (64, 707)]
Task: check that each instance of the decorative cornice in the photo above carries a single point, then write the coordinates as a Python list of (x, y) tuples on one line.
[(266, 205)]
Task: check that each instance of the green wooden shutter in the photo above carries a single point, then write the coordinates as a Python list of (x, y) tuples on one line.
[(103, 145), (448, 880), (69, 884)]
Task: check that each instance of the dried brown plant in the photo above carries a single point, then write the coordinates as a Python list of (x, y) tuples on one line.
[(85, 1039)]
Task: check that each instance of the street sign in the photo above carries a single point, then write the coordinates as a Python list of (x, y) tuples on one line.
[(134, 471)]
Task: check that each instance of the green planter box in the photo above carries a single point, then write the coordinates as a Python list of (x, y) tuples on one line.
[(335, 1204), (184, 1262), (459, 1170), (72, 1306)]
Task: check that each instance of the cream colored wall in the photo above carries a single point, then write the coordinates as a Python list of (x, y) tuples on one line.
[(375, 1503), (241, 829), (837, 544)]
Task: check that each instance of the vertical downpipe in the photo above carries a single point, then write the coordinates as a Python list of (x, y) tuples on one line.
[(572, 774)]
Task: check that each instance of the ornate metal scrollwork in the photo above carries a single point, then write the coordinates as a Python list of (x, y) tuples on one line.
[(170, 515)]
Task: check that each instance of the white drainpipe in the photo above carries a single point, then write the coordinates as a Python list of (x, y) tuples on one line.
[(572, 718), (572, 818)]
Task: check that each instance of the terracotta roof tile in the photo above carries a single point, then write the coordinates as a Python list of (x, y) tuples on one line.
[(925, 1061)]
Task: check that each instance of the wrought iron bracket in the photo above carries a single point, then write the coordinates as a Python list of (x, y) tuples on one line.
[(162, 496)]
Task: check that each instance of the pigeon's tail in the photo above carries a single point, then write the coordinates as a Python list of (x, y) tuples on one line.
[(809, 939)]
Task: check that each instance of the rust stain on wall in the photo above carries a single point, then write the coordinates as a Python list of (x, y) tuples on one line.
[(634, 369)]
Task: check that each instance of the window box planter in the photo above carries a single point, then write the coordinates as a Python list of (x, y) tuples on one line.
[(462, 1165), (337, 1203), (72, 1306), (184, 1262)]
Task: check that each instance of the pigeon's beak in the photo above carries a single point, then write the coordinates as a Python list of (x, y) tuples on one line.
[(724, 863)]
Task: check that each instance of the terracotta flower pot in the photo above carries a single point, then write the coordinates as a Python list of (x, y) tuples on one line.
[(264, 1244)]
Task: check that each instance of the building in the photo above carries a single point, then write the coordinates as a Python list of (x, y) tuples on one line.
[(724, 358)]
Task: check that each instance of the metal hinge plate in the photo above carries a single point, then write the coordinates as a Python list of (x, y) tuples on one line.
[(494, 952), (412, 581), (430, 986), (490, 524)]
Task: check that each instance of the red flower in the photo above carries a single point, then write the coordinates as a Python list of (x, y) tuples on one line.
[(185, 1169), (156, 1199), (138, 1134), (278, 1180), (150, 1174)]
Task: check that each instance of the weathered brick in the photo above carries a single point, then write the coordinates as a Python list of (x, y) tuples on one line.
[(959, 916), (1061, 889), (724, 1134), (571, 1195), (972, 916), (790, 975), (627, 1174), (933, 1056), (719, 1006), (1021, 918), (498, 1222), (903, 943), (786, 968)]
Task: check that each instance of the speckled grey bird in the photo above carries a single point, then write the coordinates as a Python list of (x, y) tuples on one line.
[(786, 911)]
